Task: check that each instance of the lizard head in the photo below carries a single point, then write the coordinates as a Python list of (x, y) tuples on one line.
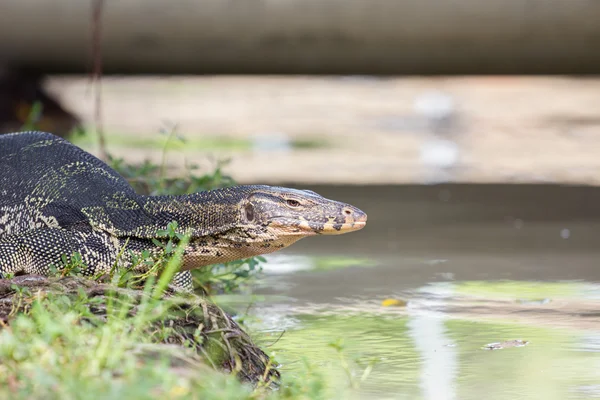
[(292, 212), (264, 219)]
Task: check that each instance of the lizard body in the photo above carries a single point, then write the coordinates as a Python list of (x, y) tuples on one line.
[(57, 199)]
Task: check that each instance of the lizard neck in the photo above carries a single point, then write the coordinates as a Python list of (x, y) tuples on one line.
[(220, 249), (201, 214)]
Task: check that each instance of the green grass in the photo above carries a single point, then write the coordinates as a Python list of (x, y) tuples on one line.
[(78, 344), (59, 349), (51, 352), (61, 346), (84, 346)]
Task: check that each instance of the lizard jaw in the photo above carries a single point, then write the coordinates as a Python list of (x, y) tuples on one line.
[(333, 229), (305, 228)]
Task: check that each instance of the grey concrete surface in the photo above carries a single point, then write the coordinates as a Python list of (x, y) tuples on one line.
[(306, 36)]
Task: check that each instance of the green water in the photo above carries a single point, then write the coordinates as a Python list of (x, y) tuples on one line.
[(421, 352)]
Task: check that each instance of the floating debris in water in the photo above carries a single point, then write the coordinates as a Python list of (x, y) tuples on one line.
[(505, 345), (394, 303)]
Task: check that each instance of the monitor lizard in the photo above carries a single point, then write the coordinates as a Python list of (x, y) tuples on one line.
[(57, 199)]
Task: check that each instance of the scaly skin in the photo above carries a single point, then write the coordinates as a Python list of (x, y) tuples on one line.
[(57, 199)]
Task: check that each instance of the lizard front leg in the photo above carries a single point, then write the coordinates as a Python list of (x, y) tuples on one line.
[(34, 251)]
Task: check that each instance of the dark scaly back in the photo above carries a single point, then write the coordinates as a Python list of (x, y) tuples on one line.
[(45, 175), (32, 160)]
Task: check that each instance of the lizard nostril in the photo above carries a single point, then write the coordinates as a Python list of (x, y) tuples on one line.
[(347, 211)]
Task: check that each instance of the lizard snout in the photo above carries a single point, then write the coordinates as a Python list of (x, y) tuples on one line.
[(354, 217)]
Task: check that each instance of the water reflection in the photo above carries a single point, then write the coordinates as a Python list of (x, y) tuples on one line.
[(423, 355), (438, 353)]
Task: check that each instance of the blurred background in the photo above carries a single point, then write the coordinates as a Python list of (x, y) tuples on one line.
[(469, 131), (330, 91)]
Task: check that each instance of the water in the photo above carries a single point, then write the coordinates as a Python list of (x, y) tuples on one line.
[(469, 265)]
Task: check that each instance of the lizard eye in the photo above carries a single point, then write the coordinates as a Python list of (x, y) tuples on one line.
[(292, 203), (249, 211)]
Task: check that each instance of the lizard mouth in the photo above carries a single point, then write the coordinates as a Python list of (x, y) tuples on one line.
[(354, 221), (338, 229), (304, 229)]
